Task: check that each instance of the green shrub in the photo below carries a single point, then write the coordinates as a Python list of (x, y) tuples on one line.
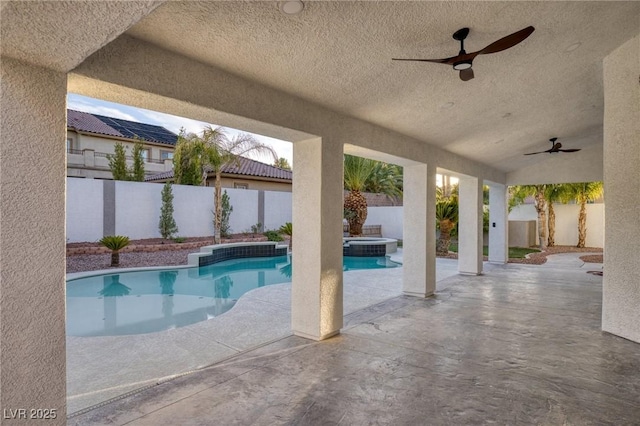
[(179, 240), (273, 236), (167, 224)]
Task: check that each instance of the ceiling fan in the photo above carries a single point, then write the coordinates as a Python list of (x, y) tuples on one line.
[(464, 60), (555, 147)]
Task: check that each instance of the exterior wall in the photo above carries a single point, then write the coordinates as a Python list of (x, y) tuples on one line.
[(90, 164), (137, 209), (260, 185), (32, 279), (245, 209), (567, 222), (277, 210), (621, 285), (391, 219), (85, 213)]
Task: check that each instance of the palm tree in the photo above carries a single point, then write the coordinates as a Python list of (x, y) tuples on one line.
[(208, 153), (115, 243), (583, 193), (447, 218), (356, 172), (554, 193), (385, 178), (287, 229), (518, 195)]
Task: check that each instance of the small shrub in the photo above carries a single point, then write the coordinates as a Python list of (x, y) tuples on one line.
[(286, 229), (227, 208), (179, 240), (257, 228), (273, 236), (115, 243), (167, 224)]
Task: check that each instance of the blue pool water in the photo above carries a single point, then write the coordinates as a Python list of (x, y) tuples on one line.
[(150, 301)]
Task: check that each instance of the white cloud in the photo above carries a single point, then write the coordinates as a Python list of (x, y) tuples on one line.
[(172, 122), (102, 110)]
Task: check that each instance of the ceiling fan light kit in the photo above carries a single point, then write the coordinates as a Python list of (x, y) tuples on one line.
[(462, 65), (463, 62)]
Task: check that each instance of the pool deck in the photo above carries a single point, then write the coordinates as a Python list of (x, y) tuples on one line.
[(261, 318), (101, 368)]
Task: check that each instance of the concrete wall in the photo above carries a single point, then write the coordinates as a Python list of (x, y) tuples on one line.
[(32, 286), (279, 211), (84, 209), (567, 222), (137, 209), (391, 219), (621, 285)]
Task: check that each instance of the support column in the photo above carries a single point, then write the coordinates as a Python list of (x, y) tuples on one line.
[(470, 226), (316, 294), (32, 239), (498, 224), (621, 281), (419, 233)]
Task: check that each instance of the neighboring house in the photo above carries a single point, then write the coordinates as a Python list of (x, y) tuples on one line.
[(91, 137), (246, 174)]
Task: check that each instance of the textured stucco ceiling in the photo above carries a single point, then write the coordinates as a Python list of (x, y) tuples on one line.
[(338, 54), (61, 34)]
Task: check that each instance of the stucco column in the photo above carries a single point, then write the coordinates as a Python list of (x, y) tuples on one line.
[(498, 224), (419, 233), (470, 226), (621, 281), (32, 240), (316, 293)]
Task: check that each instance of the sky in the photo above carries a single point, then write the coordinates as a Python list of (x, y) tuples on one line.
[(169, 122)]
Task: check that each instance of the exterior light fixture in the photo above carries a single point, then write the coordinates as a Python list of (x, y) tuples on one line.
[(291, 7)]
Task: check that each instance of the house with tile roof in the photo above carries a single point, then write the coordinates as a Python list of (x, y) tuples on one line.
[(91, 137), (244, 174)]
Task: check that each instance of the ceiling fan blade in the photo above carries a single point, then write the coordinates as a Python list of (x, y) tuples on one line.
[(569, 150), (448, 61), (532, 153), (466, 75), (507, 42)]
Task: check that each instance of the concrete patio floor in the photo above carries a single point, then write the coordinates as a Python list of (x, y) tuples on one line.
[(519, 345)]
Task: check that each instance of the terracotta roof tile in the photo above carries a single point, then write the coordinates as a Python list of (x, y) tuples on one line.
[(246, 167)]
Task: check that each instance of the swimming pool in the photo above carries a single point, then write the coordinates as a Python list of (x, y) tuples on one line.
[(148, 301)]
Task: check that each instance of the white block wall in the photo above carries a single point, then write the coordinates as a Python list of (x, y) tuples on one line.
[(245, 209), (138, 212), (389, 217), (192, 210), (84, 210), (567, 222), (138, 209), (279, 211)]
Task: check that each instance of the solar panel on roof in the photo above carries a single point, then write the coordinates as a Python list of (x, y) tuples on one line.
[(147, 132)]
